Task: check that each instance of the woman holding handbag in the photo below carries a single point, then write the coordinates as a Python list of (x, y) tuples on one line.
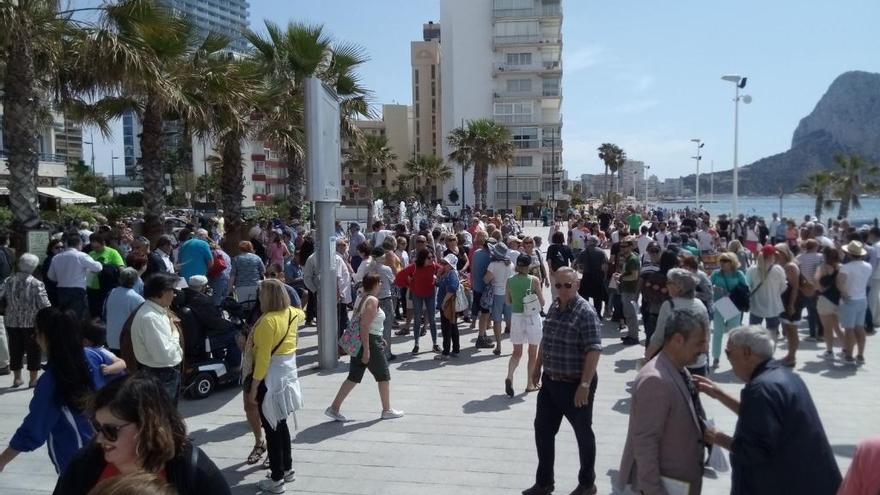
[(447, 288), (526, 300), (275, 386), (368, 319)]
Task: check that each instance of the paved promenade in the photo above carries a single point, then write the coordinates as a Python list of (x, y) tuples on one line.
[(461, 434)]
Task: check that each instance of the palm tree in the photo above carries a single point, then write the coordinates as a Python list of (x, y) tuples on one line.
[(287, 57), (852, 178), (613, 157), (370, 156), (484, 143), (818, 184), (431, 170)]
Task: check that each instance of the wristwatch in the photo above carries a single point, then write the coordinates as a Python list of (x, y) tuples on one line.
[(585, 385)]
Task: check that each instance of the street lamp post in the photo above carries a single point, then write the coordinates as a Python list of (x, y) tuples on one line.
[(739, 82), (647, 167), (712, 182), (507, 188), (700, 145), (113, 175)]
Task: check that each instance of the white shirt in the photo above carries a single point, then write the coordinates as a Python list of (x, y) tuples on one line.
[(876, 274), (766, 302), (825, 242), (705, 240), (662, 238), (154, 339), (643, 242), (500, 271), (70, 267), (512, 255), (343, 279), (378, 237), (857, 274), (169, 265)]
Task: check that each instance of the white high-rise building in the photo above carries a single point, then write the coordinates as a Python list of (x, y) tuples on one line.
[(502, 60)]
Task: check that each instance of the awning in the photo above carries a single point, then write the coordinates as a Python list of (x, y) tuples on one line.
[(65, 196), (62, 194)]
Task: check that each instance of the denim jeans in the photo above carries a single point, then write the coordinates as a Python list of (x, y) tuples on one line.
[(169, 378), (387, 306), (429, 304), (631, 313), (813, 320), (772, 323), (719, 328), (555, 401), (73, 299)]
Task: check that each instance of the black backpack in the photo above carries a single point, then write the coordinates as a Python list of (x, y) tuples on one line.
[(108, 277)]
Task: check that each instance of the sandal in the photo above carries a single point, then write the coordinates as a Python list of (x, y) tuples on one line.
[(256, 453), (532, 388), (790, 363)]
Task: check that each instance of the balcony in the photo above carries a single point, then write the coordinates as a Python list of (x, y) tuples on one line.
[(525, 39), (543, 67), (50, 166), (545, 93), (515, 119), (552, 10)]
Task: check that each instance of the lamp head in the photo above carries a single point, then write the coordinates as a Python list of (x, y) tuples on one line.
[(734, 78), (695, 140), (746, 99)]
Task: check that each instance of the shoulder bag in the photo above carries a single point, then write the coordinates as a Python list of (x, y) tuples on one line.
[(350, 341)]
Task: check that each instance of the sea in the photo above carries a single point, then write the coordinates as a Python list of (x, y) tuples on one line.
[(791, 206)]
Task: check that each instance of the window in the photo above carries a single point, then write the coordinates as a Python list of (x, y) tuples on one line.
[(524, 137), (433, 72), (418, 127), (259, 187), (522, 161), (417, 93), (259, 167), (514, 112), (519, 59), (551, 86), (416, 75), (433, 88), (433, 104), (417, 110), (433, 122), (519, 85)]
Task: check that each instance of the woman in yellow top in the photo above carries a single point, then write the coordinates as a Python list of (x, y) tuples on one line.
[(275, 387), (372, 354)]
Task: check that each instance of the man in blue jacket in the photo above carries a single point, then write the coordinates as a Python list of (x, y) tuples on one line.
[(779, 445)]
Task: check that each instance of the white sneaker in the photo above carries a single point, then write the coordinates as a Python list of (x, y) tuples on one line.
[(392, 414), (289, 476), (271, 486), (334, 415)]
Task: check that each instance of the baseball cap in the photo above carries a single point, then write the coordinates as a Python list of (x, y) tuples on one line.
[(768, 250), (450, 259)]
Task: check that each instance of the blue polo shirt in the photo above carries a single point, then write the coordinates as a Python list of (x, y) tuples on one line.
[(194, 257), (479, 265)]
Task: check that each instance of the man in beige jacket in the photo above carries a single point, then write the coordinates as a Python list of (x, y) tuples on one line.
[(664, 445)]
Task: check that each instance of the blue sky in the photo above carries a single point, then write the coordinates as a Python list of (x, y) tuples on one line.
[(642, 74)]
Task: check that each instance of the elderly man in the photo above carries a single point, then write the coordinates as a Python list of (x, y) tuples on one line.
[(664, 443), (121, 303), (628, 280), (69, 270), (779, 445), (155, 340), (220, 331), (568, 355), (194, 254)]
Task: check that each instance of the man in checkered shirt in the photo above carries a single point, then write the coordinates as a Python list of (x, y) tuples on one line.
[(569, 354)]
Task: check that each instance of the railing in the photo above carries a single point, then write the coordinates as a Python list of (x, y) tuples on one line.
[(43, 157), (519, 39), (515, 119), (541, 11), (504, 67), (527, 94), (550, 92)]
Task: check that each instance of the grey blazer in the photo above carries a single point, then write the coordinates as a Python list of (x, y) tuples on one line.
[(664, 436)]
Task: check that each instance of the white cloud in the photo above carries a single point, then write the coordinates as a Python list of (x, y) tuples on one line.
[(581, 58)]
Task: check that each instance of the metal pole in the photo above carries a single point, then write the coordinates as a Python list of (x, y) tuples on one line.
[(553, 174), (712, 181), (647, 167), (327, 314), (205, 163), (113, 175), (735, 152), (507, 188), (92, 145), (698, 177)]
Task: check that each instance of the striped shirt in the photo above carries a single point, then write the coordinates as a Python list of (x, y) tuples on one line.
[(569, 334), (25, 295), (808, 263)]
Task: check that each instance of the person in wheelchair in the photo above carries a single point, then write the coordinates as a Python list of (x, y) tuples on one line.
[(220, 331)]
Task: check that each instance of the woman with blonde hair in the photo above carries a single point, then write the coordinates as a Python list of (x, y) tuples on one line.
[(767, 282), (742, 255), (274, 384), (792, 300), (725, 281)]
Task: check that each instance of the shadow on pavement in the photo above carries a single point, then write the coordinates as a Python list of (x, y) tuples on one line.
[(236, 473), (494, 403), (216, 401), (828, 369), (229, 431), (625, 365), (330, 429)]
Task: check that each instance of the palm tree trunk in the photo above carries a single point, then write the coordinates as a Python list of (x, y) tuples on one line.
[(231, 191), (368, 183), (844, 204), (295, 181), (153, 171), (607, 185), (20, 128), (817, 207), (477, 184)]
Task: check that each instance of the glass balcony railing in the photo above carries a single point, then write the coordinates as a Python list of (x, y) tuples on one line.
[(548, 66), (549, 10)]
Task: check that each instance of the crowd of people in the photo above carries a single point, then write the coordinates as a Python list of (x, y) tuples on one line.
[(108, 313)]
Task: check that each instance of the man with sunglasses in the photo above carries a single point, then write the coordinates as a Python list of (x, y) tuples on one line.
[(566, 368)]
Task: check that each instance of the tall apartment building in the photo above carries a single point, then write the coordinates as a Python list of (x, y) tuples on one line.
[(57, 146), (397, 125), (425, 57), (502, 59), (631, 179), (226, 17)]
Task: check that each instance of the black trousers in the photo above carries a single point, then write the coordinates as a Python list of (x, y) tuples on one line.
[(96, 302), (21, 341), (450, 335), (73, 299), (312, 306), (170, 380), (555, 401), (278, 446), (342, 318)]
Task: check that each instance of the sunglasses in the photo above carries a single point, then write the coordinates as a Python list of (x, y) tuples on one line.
[(273, 274), (567, 285), (528, 242), (110, 432)]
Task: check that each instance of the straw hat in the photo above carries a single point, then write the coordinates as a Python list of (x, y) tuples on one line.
[(855, 248)]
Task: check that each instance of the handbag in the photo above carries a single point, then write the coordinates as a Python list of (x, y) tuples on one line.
[(487, 299), (739, 296), (531, 303), (350, 341), (461, 302)]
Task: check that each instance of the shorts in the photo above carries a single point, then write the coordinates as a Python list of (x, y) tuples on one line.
[(825, 307), (852, 313), (792, 319), (500, 308), (476, 308), (525, 329), (378, 364)]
